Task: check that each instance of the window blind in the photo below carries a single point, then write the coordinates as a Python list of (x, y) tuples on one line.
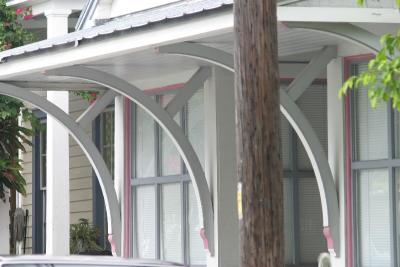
[(374, 218), (171, 223), (314, 106), (312, 241), (146, 221), (371, 129), (145, 144)]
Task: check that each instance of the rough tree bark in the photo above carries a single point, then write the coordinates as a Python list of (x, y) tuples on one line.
[(258, 132)]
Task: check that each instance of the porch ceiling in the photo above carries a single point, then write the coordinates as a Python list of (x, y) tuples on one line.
[(295, 46)]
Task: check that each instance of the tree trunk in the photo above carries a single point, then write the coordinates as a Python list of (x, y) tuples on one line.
[(258, 131)]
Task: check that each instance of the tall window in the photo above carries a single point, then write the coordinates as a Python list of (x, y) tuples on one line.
[(375, 169), (303, 235), (103, 135), (166, 216), (39, 182)]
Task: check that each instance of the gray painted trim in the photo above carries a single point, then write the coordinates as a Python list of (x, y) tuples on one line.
[(196, 82), (316, 66), (170, 127), (96, 108), (201, 52), (345, 31), (314, 149), (88, 147), (160, 180), (375, 164)]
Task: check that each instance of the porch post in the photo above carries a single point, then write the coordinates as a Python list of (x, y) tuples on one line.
[(336, 155), (119, 166), (220, 165), (57, 191)]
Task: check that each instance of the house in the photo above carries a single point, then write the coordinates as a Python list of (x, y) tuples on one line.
[(165, 126)]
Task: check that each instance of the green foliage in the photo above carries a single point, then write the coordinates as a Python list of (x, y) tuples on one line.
[(89, 96), (83, 237), (13, 137), (11, 32), (382, 77)]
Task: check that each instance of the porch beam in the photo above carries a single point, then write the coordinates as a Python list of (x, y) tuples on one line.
[(167, 123), (199, 51), (90, 150), (345, 31), (196, 82), (305, 78), (338, 14), (96, 108)]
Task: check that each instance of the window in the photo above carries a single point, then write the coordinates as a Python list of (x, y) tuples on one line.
[(374, 171), (103, 135), (304, 239), (39, 182), (166, 216)]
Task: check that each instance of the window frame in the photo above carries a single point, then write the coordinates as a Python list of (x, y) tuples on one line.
[(390, 164), (183, 179)]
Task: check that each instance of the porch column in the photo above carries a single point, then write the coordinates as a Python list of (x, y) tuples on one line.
[(336, 155), (57, 191), (220, 165), (119, 166)]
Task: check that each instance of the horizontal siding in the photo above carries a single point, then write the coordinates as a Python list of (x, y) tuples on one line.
[(80, 177)]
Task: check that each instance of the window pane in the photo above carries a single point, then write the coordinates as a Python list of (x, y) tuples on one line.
[(195, 124), (146, 221), (170, 158), (374, 218), (312, 241), (371, 132), (171, 223), (145, 144), (397, 134), (313, 104), (288, 220), (197, 252), (285, 139)]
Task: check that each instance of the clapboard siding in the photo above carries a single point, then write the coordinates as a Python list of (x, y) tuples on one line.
[(27, 200), (80, 170), (80, 177), (344, 3)]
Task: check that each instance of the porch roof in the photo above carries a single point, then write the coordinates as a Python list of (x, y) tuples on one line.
[(173, 11)]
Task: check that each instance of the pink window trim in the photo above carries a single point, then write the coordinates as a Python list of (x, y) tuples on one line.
[(127, 181), (348, 148)]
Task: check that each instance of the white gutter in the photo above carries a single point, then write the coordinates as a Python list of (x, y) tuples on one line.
[(138, 40), (177, 31)]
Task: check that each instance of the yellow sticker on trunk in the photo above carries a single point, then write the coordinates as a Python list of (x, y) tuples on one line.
[(239, 201)]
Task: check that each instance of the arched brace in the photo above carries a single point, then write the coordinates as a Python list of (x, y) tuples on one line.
[(168, 124), (324, 177), (323, 174), (90, 150), (344, 31)]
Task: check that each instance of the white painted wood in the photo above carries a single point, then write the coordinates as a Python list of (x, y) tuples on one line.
[(57, 158), (4, 230), (119, 159), (127, 43), (220, 165), (338, 14), (336, 146)]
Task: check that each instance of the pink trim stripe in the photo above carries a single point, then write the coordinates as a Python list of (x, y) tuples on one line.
[(164, 88), (348, 141), (127, 178)]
